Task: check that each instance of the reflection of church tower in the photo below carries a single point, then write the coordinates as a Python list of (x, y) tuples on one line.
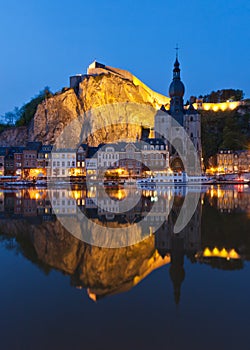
[(176, 271), (187, 242), (176, 92)]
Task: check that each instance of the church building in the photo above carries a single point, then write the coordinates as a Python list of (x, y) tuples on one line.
[(178, 124)]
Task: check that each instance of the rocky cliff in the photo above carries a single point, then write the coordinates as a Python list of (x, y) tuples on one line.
[(111, 104), (14, 136)]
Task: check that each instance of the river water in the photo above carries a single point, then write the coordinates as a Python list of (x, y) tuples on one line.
[(169, 290)]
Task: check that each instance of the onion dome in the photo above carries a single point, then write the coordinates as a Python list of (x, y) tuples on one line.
[(176, 88)]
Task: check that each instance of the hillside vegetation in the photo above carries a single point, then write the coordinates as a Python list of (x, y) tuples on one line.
[(225, 130)]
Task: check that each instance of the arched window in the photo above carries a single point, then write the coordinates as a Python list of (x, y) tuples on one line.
[(191, 119)]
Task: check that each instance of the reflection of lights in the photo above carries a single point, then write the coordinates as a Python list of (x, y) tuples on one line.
[(76, 194), (118, 194), (223, 253), (220, 193), (91, 193), (19, 194), (37, 194)]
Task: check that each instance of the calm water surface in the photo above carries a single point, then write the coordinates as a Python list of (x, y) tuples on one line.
[(189, 290)]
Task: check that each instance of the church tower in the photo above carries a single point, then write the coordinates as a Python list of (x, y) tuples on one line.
[(165, 126), (176, 93), (192, 125)]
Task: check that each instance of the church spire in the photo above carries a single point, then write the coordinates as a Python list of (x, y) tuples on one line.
[(177, 49), (176, 93)]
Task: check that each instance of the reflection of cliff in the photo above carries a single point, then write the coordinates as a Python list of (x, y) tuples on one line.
[(102, 271), (217, 238)]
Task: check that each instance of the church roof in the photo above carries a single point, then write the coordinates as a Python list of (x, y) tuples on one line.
[(191, 110)]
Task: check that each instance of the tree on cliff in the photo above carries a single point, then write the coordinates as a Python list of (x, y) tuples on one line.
[(224, 130), (27, 112), (223, 96)]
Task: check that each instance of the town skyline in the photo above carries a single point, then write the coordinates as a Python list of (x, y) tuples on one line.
[(38, 52)]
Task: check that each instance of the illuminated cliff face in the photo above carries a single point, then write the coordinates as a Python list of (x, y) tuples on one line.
[(102, 87), (104, 98)]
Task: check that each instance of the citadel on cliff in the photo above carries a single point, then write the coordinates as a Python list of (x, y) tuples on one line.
[(142, 114), (173, 107)]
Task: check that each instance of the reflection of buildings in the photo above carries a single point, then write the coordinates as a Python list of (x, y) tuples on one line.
[(217, 247), (228, 200), (186, 243), (1, 202), (102, 271), (26, 204), (63, 202)]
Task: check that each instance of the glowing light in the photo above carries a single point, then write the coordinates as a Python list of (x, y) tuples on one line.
[(223, 106), (233, 254), (233, 105), (223, 253)]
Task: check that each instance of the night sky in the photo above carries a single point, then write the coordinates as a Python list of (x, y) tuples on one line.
[(44, 42)]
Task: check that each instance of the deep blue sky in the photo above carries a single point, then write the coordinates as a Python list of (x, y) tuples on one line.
[(44, 42)]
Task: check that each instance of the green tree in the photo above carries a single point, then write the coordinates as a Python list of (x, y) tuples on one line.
[(28, 110)]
